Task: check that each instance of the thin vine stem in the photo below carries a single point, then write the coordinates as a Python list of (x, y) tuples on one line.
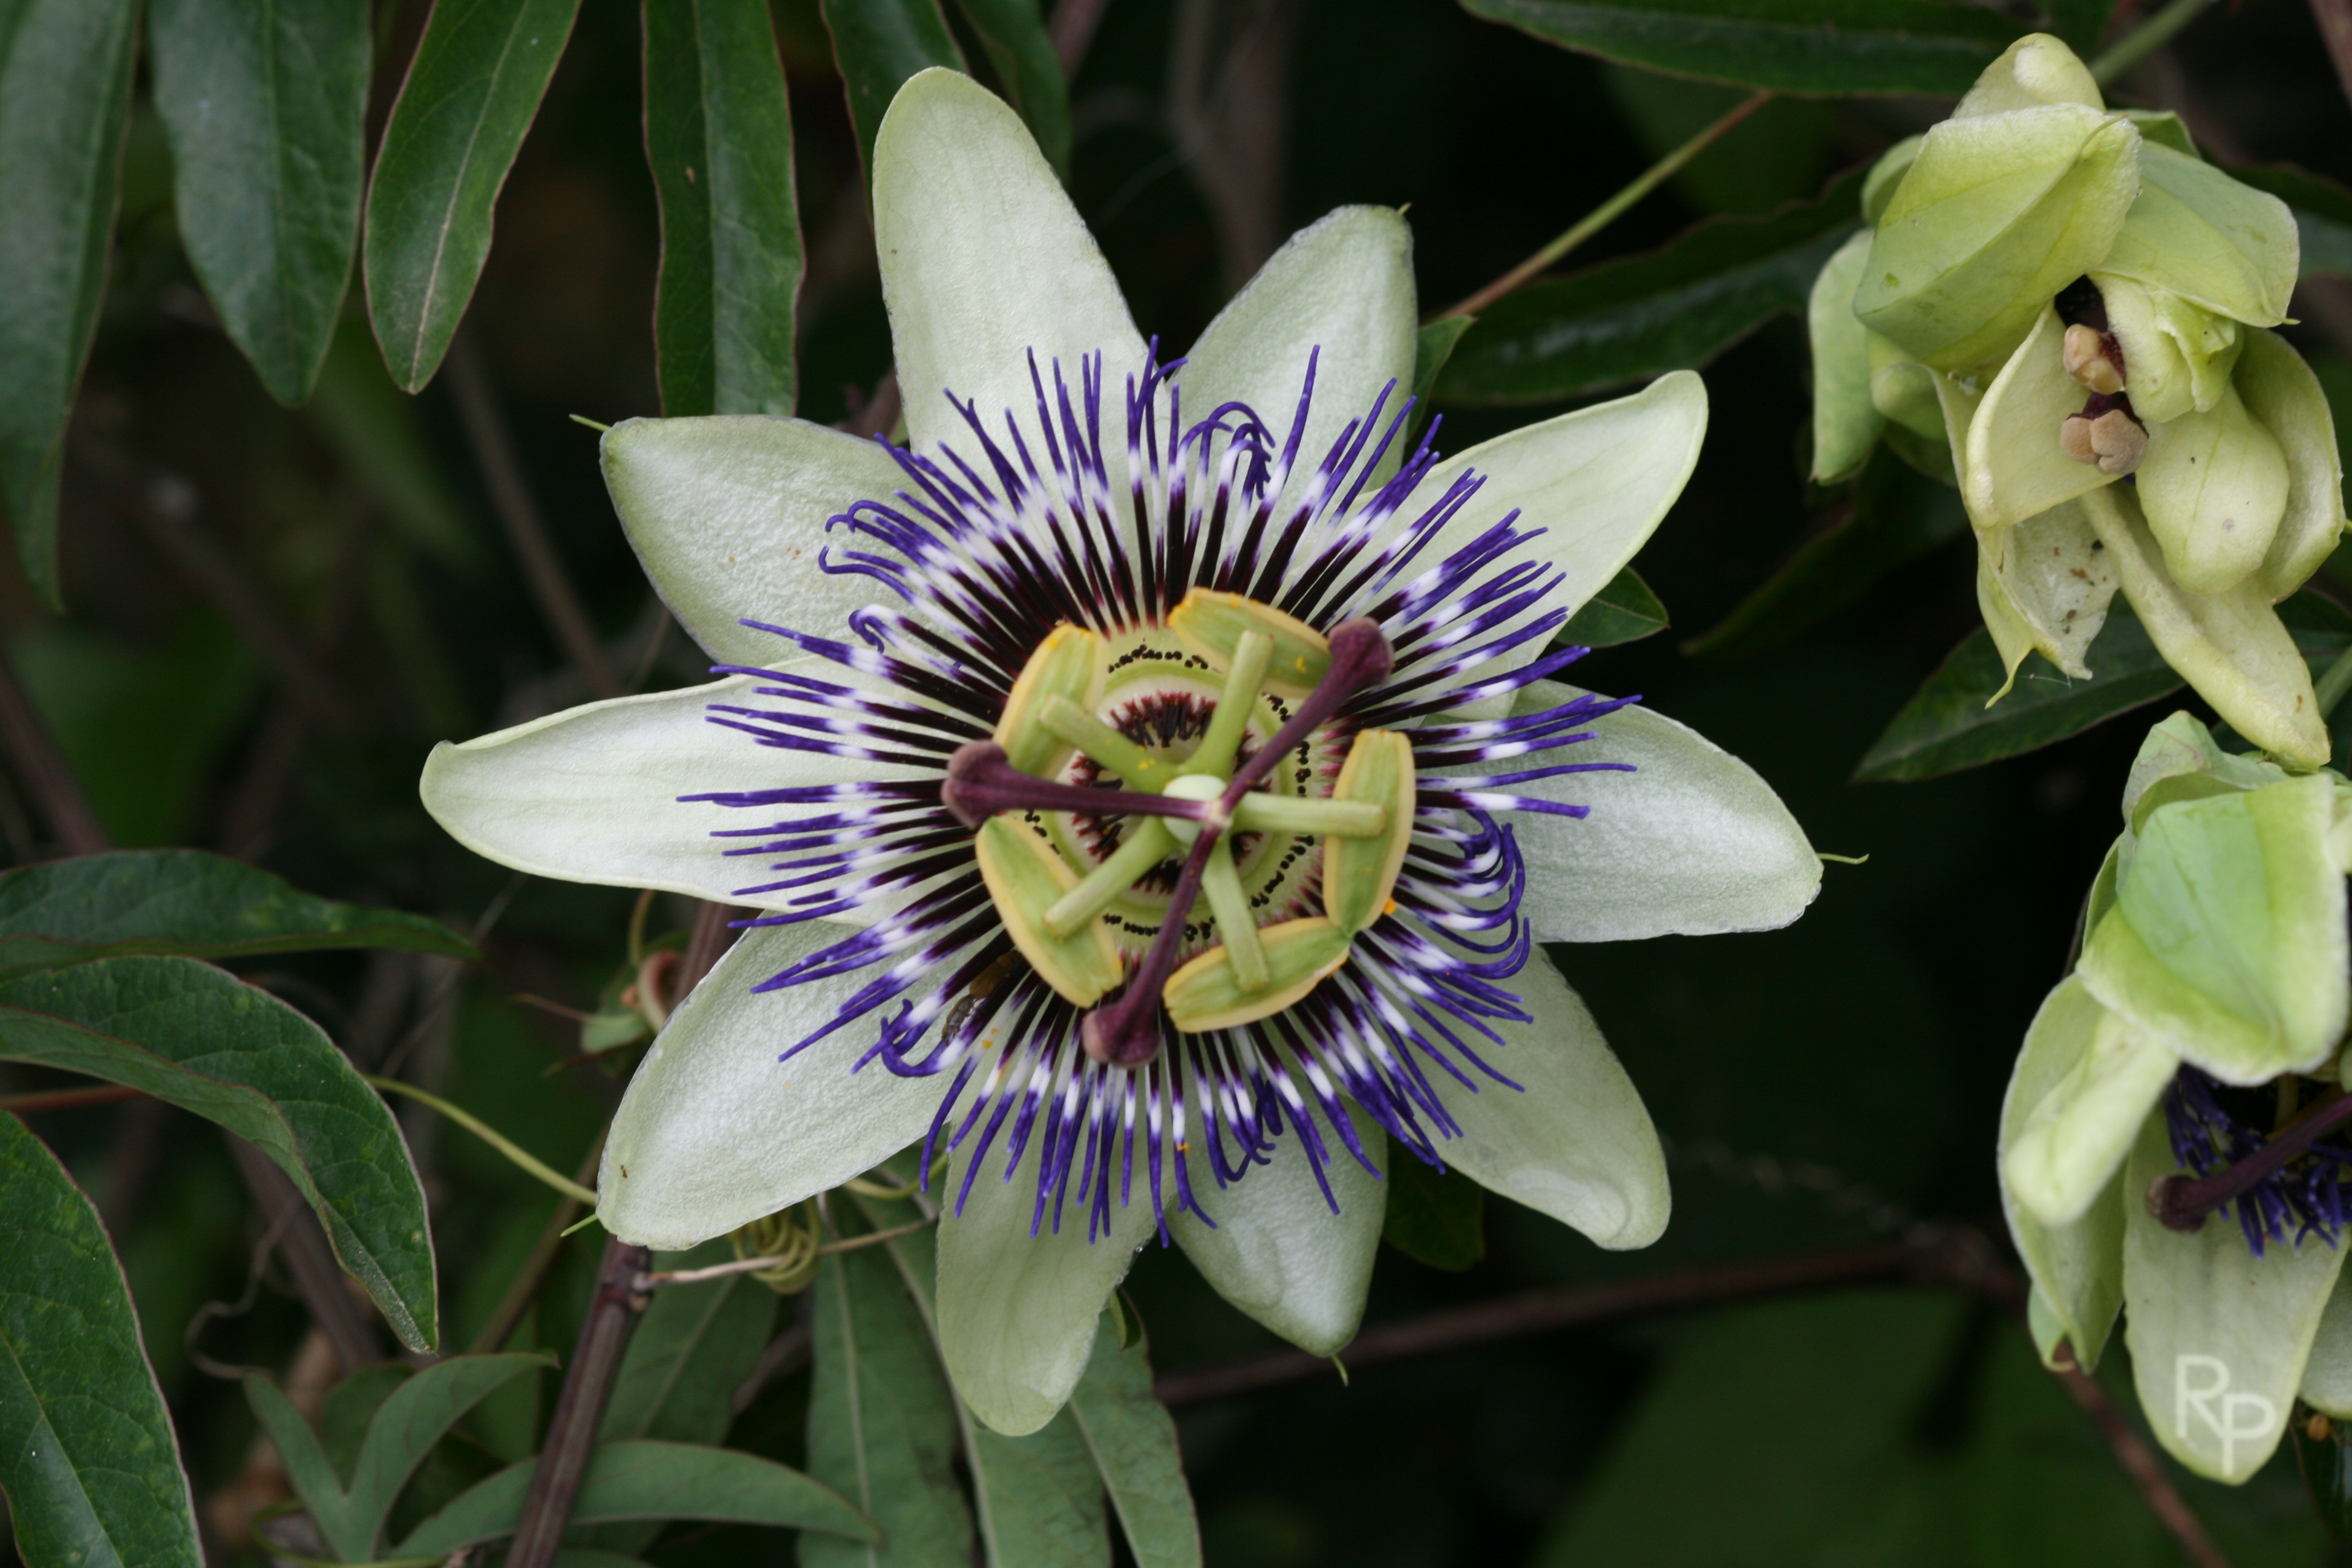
[(496, 1140), (2145, 39)]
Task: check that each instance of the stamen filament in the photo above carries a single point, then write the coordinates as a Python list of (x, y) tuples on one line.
[(2181, 1203), (1073, 725), (1235, 926), (983, 782), (1217, 749), (1149, 842)]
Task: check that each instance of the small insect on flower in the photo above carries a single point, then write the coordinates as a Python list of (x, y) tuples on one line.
[(1150, 782)]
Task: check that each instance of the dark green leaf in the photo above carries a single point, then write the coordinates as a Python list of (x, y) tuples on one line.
[(1946, 727), (350, 1406), (1014, 34), (265, 106), (2082, 23), (1433, 347), (651, 1480), (1824, 46), (718, 135), (876, 45), (1133, 1444), (410, 1419), (185, 901), (1895, 514), (86, 1456), (1041, 1499), (2322, 214), (472, 90), (65, 98), (186, 1033), (881, 1422), (1624, 611), (1436, 1217), (1672, 310)]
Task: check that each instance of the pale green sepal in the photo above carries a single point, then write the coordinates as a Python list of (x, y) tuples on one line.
[(2218, 1338), (2097, 1078), (1574, 1140), (2163, 128), (2012, 637), (2013, 468), (2327, 1375), (2051, 1338), (2281, 392), (2197, 232), (1343, 287), (728, 513), (2182, 744), (2036, 70), (2101, 896), (2054, 577), (2000, 212), (1692, 842), (2230, 647), (591, 794), (1279, 1252), (1846, 422), (1904, 389), (984, 262), (715, 1130), (2213, 488), (1017, 1311), (2178, 355), (2226, 939), (1597, 481), (1886, 177)]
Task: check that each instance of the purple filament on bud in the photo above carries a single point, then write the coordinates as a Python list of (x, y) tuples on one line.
[(2287, 1183)]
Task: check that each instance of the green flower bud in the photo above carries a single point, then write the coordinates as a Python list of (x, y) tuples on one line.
[(1846, 422), (2281, 392), (2196, 233), (2177, 356), (2020, 193), (2214, 488)]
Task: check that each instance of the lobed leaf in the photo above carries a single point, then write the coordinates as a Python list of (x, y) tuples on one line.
[(87, 1454), (185, 1033), (1824, 46), (185, 901), (472, 91), (718, 137), (265, 107), (1673, 309), (65, 101)]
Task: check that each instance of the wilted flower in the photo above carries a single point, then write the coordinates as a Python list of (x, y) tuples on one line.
[(1162, 792), (2192, 1067), (2064, 311)]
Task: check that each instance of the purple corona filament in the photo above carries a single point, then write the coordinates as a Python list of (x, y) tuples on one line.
[(988, 546), (2287, 1184)]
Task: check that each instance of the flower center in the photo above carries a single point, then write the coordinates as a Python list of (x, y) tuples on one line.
[(1071, 861)]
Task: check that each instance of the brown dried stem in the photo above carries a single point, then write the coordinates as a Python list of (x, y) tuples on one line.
[(580, 1408), (41, 768)]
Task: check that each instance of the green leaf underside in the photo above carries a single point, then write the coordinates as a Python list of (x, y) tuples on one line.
[(881, 1422), (1028, 72), (649, 1480), (718, 137), (1897, 514), (878, 44), (1438, 1218), (1674, 309), (472, 91), (191, 1036), (2323, 214), (400, 1433), (185, 901), (1624, 611), (1041, 1499), (1133, 1443), (1945, 727), (65, 100), (264, 106), (86, 1456), (1825, 47)]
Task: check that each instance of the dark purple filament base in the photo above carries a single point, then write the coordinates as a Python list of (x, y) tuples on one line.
[(1126, 1032)]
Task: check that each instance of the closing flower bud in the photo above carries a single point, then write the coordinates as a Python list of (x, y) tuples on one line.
[(2177, 357)]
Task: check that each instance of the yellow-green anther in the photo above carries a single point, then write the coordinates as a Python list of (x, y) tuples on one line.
[(1252, 653), (1148, 842), (1207, 994), (1235, 925), (1026, 878), (1210, 624), (1136, 767), (1260, 812), (1068, 664), (1359, 874)]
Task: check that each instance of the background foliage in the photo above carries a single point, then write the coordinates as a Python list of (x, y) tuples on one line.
[(303, 532)]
